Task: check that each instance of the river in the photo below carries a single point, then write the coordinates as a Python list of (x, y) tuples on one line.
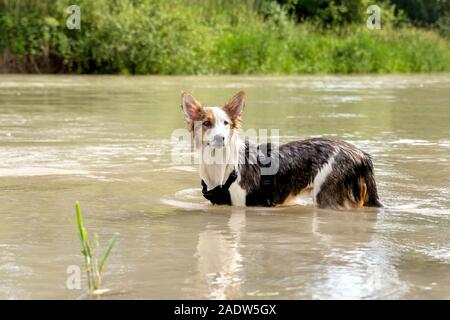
[(106, 141)]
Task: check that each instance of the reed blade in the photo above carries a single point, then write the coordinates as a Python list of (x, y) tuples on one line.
[(111, 244)]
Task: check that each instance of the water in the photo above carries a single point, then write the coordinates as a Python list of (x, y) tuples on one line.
[(105, 141)]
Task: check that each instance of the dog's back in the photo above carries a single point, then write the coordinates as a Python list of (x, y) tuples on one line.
[(338, 175)]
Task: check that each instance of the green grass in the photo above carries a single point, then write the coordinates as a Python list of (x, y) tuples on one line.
[(94, 267), (203, 37)]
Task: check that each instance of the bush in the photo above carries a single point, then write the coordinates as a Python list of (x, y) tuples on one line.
[(213, 37)]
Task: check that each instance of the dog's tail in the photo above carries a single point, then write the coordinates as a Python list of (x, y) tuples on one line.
[(364, 188), (368, 188), (372, 199)]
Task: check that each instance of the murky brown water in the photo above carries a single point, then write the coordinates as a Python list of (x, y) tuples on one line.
[(105, 141)]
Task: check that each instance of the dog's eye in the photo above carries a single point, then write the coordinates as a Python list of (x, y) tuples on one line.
[(207, 124), (226, 123)]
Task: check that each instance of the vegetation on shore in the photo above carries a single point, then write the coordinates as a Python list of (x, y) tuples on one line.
[(215, 37)]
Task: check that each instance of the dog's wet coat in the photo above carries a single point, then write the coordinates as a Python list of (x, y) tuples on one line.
[(336, 173)]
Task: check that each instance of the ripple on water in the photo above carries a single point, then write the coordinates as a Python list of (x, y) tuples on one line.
[(189, 199), (441, 254), (176, 169), (342, 115), (39, 171), (63, 159), (342, 99), (414, 142), (444, 143)]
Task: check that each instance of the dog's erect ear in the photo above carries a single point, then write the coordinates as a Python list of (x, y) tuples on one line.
[(235, 106), (190, 106)]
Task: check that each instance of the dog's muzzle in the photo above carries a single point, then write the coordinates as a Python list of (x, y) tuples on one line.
[(217, 142)]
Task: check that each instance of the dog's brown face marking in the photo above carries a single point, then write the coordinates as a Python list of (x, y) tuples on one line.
[(207, 119)]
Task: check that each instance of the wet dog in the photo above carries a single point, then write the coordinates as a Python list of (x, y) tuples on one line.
[(236, 172)]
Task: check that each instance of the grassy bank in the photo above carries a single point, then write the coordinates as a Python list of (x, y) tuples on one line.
[(194, 37)]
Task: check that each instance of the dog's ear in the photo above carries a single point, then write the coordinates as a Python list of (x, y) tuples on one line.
[(191, 107), (235, 106)]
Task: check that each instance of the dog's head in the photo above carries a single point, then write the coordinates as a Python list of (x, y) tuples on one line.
[(212, 126)]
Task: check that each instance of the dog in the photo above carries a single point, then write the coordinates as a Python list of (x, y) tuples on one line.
[(335, 173)]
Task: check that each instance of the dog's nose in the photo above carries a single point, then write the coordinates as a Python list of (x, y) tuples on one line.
[(219, 139)]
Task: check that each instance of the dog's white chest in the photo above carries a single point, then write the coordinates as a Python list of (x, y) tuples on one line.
[(238, 195)]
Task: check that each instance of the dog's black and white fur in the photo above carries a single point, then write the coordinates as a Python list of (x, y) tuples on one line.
[(337, 174)]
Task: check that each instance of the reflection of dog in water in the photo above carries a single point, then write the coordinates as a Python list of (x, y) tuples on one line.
[(335, 173), (219, 273)]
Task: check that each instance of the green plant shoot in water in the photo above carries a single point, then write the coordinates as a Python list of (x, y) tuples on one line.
[(94, 267)]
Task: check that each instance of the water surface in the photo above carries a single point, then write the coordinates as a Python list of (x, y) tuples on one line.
[(106, 141)]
